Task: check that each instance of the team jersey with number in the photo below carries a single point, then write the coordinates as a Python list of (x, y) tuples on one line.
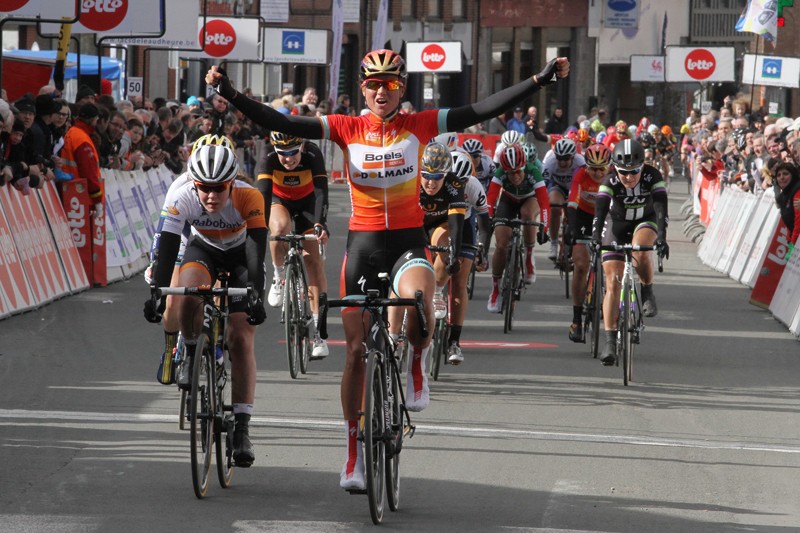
[(635, 203), (475, 197), (225, 229), (583, 193), (293, 184), (382, 163)]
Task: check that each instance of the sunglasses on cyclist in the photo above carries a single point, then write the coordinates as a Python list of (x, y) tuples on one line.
[(389, 85), (630, 172), (563, 157), (288, 153), (433, 176), (208, 189)]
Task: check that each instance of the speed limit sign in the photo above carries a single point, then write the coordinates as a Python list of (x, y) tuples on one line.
[(135, 86)]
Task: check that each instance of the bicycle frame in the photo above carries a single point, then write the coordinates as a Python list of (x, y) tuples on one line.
[(513, 284)]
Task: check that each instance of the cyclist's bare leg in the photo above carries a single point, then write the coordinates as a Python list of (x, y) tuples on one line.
[(529, 211), (613, 271), (355, 323), (580, 257), (280, 223), (190, 308), (556, 197), (409, 282), (171, 316), (502, 237), (441, 237), (317, 280), (643, 261), (459, 301), (241, 346)]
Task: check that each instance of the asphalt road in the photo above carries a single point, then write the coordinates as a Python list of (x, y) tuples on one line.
[(529, 434)]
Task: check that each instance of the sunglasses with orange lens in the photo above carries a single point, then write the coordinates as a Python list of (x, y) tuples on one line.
[(389, 85)]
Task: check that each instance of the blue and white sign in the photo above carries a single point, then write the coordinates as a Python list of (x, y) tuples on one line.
[(771, 70), (294, 42), (621, 14), (289, 45)]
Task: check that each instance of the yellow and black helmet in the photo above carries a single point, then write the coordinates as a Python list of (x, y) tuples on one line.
[(283, 141), (216, 140), (436, 159), (382, 62)]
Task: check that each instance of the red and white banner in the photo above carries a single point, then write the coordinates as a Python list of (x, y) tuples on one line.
[(700, 64), (115, 17), (51, 9), (70, 258), (434, 56), (234, 39), (772, 268), (16, 295)]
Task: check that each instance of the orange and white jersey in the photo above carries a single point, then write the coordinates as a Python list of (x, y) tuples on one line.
[(382, 164), (223, 230)]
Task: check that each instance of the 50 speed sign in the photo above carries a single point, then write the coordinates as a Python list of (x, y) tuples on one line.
[(135, 86)]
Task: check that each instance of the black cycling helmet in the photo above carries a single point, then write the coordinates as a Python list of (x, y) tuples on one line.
[(628, 154)]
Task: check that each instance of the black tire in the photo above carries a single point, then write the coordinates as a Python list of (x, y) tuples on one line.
[(201, 416), (597, 312), (567, 268), (396, 443), (373, 428), (294, 343), (438, 347), (471, 282), (223, 427), (304, 323), (509, 288), (625, 325)]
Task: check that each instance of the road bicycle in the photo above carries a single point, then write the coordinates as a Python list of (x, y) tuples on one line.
[(479, 257), (564, 262), (384, 421), (592, 313), (629, 322), (296, 312), (441, 328), (512, 284), (207, 407)]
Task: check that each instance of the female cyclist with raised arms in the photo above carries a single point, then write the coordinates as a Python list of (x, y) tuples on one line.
[(382, 150)]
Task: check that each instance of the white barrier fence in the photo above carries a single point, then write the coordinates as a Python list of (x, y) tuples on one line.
[(738, 242)]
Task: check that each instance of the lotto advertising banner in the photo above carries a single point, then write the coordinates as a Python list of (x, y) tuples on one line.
[(116, 17), (286, 45), (59, 227), (232, 39), (17, 295), (700, 64), (772, 268), (51, 9), (433, 57)]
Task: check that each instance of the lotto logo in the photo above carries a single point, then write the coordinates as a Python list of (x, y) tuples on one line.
[(700, 64), (11, 5), (103, 15), (220, 38), (433, 57)]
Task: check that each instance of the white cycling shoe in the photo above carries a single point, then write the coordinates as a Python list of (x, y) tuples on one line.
[(352, 478), (275, 296), (320, 349)]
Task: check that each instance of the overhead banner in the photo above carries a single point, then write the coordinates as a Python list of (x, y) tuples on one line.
[(115, 17), (287, 45), (434, 56), (621, 14), (700, 64), (647, 68), (177, 34), (771, 70), (229, 38), (51, 9)]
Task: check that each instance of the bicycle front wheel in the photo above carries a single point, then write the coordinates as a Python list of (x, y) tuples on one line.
[(294, 343), (304, 323), (471, 282), (223, 427), (201, 416), (567, 268), (396, 439), (596, 310), (509, 288), (373, 429), (625, 325), (438, 347)]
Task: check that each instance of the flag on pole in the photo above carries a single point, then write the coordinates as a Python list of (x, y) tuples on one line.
[(760, 17)]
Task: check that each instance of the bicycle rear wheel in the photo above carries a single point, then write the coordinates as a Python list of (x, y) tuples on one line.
[(510, 285), (294, 345), (223, 427), (395, 444), (201, 416), (373, 430)]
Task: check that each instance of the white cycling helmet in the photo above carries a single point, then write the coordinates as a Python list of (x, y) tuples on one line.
[(511, 137), (462, 164), (212, 164), (449, 140), (652, 129), (565, 147), (473, 147), (530, 152)]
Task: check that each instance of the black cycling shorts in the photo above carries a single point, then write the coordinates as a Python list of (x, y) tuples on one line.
[(369, 253), (301, 211), (584, 222), (621, 232), (214, 261)]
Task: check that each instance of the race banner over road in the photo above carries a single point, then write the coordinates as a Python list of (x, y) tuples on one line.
[(51, 9), (288, 45), (433, 56), (700, 64), (115, 17), (177, 34), (771, 70), (229, 38)]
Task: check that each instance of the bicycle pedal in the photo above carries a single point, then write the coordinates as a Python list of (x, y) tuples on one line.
[(356, 492)]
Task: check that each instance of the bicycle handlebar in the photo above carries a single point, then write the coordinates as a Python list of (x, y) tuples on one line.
[(624, 247), (372, 302), (516, 222), (202, 291), (441, 249), (293, 238)]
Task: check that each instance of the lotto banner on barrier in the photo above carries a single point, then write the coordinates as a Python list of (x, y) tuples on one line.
[(17, 295), (772, 269), (754, 234), (75, 199), (35, 245), (59, 227), (786, 302)]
